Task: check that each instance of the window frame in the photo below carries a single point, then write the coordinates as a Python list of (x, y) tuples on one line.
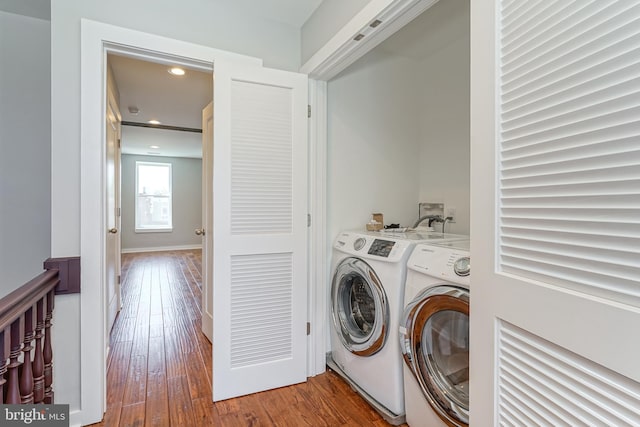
[(153, 229)]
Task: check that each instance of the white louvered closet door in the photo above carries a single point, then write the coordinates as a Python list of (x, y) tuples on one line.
[(555, 291), (260, 226)]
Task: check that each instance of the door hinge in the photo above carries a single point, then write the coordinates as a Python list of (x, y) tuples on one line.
[(119, 143), (308, 328), (119, 278), (308, 110), (119, 212), (308, 220)]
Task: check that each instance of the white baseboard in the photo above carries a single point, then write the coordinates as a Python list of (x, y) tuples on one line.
[(160, 249), (75, 418)]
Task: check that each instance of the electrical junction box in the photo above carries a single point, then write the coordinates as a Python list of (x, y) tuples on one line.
[(430, 208)]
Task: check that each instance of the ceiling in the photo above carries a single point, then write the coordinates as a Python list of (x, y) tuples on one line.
[(175, 101), (159, 95), (40, 9)]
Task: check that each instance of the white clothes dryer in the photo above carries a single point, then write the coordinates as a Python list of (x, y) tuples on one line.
[(367, 298), (434, 335)]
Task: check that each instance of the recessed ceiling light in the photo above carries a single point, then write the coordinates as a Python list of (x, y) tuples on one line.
[(154, 146), (176, 71), (154, 122)]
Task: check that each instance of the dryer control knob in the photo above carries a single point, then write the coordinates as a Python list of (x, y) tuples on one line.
[(359, 243), (462, 266)]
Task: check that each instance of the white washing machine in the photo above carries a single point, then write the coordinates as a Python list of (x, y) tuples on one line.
[(367, 291), (434, 335)]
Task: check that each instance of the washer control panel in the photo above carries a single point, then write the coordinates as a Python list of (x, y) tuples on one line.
[(381, 248), (373, 247)]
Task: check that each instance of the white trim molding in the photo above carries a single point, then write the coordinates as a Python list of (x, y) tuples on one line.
[(377, 21), (318, 255), (161, 249)]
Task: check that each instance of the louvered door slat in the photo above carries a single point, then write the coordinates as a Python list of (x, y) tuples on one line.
[(540, 375), (261, 169), (570, 145)]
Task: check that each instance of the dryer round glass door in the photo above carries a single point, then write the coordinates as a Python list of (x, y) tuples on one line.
[(360, 308), (435, 343)]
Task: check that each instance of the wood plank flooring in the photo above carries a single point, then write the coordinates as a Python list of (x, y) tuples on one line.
[(159, 367)]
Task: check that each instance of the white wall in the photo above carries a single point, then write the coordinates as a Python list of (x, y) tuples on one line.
[(186, 208), (325, 21), (25, 147), (373, 148), (444, 113), (399, 125)]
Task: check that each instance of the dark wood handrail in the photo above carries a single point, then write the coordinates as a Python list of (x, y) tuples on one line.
[(26, 355), (15, 304)]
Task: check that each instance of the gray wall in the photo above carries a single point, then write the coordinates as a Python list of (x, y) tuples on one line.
[(25, 144), (187, 204)]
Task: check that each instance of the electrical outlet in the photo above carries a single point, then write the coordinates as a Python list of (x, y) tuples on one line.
[(451, 212)]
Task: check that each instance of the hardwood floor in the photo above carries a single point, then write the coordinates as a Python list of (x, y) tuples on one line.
[(159, 367)]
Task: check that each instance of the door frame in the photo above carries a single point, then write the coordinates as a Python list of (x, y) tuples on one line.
[(112, 101), (97, 39)]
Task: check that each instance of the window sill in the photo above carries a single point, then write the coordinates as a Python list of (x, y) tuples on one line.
[(154, 230)]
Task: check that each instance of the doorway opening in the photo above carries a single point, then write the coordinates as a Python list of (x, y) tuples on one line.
[(255, 107), (160, 254)]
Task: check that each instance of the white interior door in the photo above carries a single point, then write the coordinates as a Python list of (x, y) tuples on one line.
[(206, 231), (112, 209), (260, 245), (555, 292)]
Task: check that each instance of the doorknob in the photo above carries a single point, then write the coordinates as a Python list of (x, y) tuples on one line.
[(113, 230), (199, 231)]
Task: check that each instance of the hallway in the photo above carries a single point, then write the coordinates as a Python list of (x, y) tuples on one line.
[(159, 370)]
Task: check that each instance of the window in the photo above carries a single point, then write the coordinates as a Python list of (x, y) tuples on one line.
[(153, 197)]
